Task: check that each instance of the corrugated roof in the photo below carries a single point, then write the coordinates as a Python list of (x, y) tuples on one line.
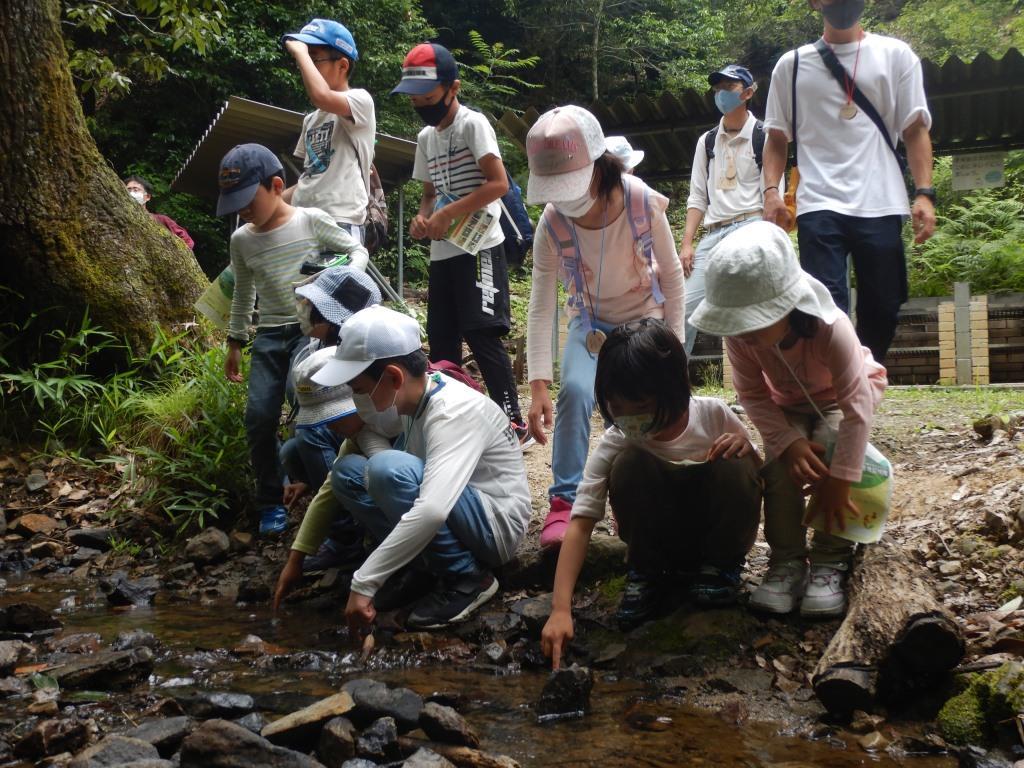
[(976, 106), (241, 120)]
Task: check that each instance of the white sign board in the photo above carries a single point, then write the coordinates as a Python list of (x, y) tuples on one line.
[(981, 171)]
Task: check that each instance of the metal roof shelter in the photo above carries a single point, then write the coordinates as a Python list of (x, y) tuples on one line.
[(975, 106)]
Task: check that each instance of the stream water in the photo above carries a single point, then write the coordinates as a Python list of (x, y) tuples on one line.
[(631, 724)]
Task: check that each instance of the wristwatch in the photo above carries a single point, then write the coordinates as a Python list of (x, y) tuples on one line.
[(928, 192)]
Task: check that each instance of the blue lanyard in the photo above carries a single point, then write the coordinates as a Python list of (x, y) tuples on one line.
[(403, 439)]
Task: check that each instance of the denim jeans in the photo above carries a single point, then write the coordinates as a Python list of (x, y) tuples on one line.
[(695, 282), (270, 360), (573, 409), (380, 490)]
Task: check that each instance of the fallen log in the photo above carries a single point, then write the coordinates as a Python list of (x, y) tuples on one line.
[(896, 641), (463, 757)]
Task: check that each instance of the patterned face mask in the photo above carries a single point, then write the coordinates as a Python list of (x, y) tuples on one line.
[(635, 426)]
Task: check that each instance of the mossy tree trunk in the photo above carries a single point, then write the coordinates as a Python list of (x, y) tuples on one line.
[(70, 236)]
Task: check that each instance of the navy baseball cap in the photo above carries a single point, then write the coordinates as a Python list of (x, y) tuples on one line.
[(241, 171), (329, 33), (732, 72), (426, 66)]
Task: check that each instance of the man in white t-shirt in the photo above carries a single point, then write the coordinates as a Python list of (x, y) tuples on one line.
[(459, 163), (452, 494), (852, 196), (726, 184), (336, 144)]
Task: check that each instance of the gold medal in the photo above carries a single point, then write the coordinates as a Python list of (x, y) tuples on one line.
[(595, 340), (849, 111)]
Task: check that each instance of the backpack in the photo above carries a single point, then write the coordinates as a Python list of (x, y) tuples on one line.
[(457, 372), (376, 226), (515, 224), (756, 138), (638, 208)]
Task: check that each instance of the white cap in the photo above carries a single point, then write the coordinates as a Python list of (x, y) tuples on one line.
[(318, 403), (622, 149), (374, 333), (561, 148)]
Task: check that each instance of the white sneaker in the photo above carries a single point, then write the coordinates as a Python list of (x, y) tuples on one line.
[(781, 587), (824, 596)]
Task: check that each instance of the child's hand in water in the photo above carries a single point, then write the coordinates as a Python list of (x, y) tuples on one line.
[(834, 504), (555, 636), (730, 446), (803, 462)]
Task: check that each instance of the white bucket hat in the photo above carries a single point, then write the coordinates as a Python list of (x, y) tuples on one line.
[(561, 148), (622, 149), (318, 403), (753, 280)]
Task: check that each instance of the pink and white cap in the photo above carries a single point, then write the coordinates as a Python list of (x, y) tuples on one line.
[(561, 148)]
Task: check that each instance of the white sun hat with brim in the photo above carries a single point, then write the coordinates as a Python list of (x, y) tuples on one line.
[(561, 148), (753, 280), (622, 149), (375, 333), (319, 404)]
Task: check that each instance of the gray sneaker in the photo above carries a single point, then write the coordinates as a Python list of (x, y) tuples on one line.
[(824, 597), (781, 588)]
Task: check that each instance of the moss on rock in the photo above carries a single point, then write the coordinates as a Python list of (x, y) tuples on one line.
[(989, 700)]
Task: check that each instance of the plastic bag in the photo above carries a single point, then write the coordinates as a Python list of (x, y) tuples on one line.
[(872, 496)]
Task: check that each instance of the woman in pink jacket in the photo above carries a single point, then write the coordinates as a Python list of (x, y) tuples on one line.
[(790, 345)]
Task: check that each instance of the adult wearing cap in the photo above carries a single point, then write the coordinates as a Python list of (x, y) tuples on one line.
[(852, 196), (606, 257), (267, 254), (622, 149), (726, 183), (454, 491), (336, 145)]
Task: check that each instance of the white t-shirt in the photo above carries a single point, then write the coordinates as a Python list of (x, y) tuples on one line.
[(723, 204), (450, 160), (334, 178), (463, 438), (845, 165), (709, 418)]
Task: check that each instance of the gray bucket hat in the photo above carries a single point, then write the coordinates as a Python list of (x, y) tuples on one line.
[(340, 292), (319, 404)]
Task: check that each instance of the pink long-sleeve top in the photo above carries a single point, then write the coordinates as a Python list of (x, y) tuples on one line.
[(834, 368)]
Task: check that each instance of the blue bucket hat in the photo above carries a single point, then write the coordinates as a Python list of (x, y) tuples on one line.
[(241, 172), (329, 33), (732, 72)]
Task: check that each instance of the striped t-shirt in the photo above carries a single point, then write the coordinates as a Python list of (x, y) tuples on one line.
[(269, 264), (450, 160)]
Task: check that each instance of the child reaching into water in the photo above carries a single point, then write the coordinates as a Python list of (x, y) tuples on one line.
[(806, 383), (681, 476)]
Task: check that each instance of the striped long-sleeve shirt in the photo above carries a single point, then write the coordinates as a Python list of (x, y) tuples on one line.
[(269, 264)]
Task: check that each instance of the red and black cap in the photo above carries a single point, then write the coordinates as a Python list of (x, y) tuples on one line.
[(426, 66)]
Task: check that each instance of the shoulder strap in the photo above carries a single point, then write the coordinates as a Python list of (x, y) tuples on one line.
[(757, 139), (511, 221), (638, 207), (709, 145), (569, 257), (796, 66), (843, 78)]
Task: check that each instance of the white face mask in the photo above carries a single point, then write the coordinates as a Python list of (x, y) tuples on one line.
[(574, 209), (387, 422), (303, 308), (138, 196)]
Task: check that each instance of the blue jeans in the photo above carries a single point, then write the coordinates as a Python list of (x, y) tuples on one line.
[(695, 282), (573, 409), (380, 490), (270, 360)]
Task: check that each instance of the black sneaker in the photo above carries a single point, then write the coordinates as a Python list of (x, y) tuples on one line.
[(453, 601), (403, 588), (716, 586), (642, 599), (332, 554)]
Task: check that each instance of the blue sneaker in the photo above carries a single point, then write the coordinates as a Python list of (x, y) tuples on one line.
[(716, 586), (273, 520)]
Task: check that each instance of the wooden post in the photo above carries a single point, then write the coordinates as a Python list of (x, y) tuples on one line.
[(979, 340), (962, 329), (726, 368), (947, 344)]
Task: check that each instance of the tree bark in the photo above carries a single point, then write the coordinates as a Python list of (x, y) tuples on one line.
[(71, 237), (595, 49), (896, 641)]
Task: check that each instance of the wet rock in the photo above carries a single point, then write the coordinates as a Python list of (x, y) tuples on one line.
[(873, 742), (166, 734), (52, 737), (114, 750), (375, 700), (255, 592), (608, 655), (495, 653), (379, 742), (864, 723), (122, 591), (205, 705), (240, 541), (976, 757), (534, 612), (83, 555), (566, 693), (164, 708), (93, 538), (135, 638), (425, 758), (358, 762), (987, 704), (25, 617), (930, 744), (301, 729), (35, 480), (444, 724), (210, 546), (181, 573), (222, 744), (254, 721), (46, 549), (12, 653), (32, 524), (81, 642), (337, 742), (106, 670), (283, 702), (13, 686)]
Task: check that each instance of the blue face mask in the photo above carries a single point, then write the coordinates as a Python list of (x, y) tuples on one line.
[(727, 101)]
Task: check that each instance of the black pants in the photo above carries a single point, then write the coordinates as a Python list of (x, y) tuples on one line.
[(468, 298), (879, 262), (676, 518)]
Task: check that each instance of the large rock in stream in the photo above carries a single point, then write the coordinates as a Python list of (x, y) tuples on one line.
[(13, 653), (123, 592), (301, 729), (52, 737), (374, 700), (165, 734), (210, 546), (115, 751), (222, 744), (444, 724), (26, 618), (566, 694), (106, 670)]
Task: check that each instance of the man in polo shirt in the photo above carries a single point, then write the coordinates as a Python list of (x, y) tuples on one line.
[(726, 183)]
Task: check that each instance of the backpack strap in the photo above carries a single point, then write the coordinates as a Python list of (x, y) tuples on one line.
[(709, 145), (796, 67), (638, 208), (757, 138), (564, 237)]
